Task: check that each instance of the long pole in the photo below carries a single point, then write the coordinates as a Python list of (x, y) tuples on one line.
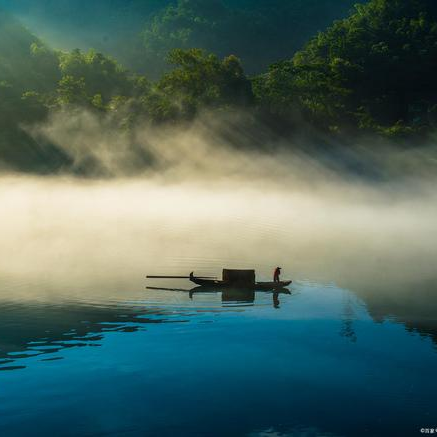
[(167, 277), (180, 277)]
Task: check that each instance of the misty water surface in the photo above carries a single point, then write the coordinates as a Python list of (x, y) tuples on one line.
[(86, 349)]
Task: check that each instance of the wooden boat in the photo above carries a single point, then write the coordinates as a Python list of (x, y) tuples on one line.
[(231, 279)]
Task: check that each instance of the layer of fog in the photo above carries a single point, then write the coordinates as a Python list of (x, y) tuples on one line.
[(58, 231), (226, 145), (205, 197)]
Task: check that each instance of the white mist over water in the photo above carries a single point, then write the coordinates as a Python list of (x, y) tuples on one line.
[(92, 235)]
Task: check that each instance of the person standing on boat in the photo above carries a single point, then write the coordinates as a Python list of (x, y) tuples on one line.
[(276, 274)]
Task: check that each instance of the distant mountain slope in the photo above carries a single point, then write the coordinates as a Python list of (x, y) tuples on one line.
[(369, 74), (259, 32), (112, 27), (139, 33), (25, 66), (24, 61)]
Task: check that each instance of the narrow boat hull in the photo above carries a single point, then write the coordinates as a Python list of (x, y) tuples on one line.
[(256, 286), (272, 285)]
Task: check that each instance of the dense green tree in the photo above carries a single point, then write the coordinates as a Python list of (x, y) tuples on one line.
[(371, 72), (374, 70), (86, 75), (275, 91), (259, 32), (203, 80)]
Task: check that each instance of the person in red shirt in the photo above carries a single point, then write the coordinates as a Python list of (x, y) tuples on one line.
[(276, 274)]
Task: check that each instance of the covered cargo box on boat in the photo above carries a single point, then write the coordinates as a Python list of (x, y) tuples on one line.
[(239, 277)]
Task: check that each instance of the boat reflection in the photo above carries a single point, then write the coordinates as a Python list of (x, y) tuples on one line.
[(240, 297)]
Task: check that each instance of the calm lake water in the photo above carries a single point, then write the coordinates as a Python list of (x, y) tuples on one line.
[(87, 350)]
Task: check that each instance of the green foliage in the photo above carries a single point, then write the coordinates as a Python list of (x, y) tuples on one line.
[(275, 90), (374, 70), (90, 74), (261, 32), (201, 79), (72, 91)]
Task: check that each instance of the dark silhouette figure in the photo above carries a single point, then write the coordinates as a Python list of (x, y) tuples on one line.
[(277, 274)]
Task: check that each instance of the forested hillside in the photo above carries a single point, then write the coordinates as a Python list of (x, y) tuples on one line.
[(28, 71), (259, 32), (139, 33), (373, 71), (369, 74)]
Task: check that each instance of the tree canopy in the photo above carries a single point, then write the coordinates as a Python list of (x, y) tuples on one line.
[(259, 32), (374, 70)]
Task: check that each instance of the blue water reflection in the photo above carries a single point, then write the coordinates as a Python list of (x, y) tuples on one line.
[(312, 362)]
